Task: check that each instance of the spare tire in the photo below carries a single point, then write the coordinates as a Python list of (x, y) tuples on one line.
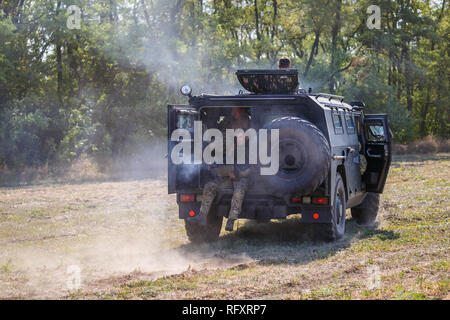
[(304, 159)]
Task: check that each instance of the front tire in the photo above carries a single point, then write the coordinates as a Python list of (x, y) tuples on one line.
[(203, 234), (366, 213)]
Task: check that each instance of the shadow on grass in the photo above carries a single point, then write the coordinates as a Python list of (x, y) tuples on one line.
[(382, 235), (283, 242)]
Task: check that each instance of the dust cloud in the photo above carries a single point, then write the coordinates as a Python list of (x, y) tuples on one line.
[(109, 261), (94, 236)]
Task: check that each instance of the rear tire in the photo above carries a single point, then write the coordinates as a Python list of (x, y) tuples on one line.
[(336, 229), (204, 234), (366, 213)]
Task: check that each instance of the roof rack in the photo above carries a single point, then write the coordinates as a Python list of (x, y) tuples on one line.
[(330, 96), (266, 81)]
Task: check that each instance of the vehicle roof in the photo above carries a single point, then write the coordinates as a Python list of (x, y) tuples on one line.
[(326, 101)]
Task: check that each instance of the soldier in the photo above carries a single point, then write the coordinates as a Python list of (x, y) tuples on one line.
[(241, 120), (227, 173), (362, 161), (284, 63), (279, 84)]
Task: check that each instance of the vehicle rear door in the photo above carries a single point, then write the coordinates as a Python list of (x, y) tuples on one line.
[(377, 151), (180, 117)]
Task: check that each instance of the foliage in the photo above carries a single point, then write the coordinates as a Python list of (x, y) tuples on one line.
[(103, 89)]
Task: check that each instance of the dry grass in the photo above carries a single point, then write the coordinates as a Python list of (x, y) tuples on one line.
[(429, 144), (129, 244)]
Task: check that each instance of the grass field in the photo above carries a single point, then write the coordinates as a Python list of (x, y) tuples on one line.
[(123, 240)]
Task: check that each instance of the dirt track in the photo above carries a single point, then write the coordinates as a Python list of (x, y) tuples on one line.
[(125, 241)]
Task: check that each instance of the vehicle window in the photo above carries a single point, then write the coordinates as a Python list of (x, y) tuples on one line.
[(185, 121), (375, 132), (337, 123), (350, 124)]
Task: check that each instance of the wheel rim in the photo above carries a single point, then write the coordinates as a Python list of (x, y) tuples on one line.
[(340, 211), (292, 158)]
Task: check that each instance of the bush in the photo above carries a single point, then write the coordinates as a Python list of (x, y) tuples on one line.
[(444, 145), (399, 148), (426, 145), (22, 176)]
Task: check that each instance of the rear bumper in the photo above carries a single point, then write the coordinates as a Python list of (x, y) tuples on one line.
[(263, 210)]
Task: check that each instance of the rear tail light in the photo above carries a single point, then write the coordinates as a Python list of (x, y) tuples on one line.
[(296, 199), (320, 200), (187, 197), (309, 200)]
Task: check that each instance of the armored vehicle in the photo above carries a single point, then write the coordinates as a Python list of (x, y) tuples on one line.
[(332, 156)]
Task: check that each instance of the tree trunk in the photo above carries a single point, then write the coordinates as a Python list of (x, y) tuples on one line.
[(423, 118), (408, 77), (258, 33), (275, 16), (334, 37), (59, 59), (311, 55)]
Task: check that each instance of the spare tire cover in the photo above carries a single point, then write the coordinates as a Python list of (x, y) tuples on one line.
[(304, 156)]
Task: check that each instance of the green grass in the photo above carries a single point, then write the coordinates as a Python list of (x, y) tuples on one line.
[(136, 222)]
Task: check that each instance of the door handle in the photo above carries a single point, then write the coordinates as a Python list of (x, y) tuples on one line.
[(336, 157), (348, 151)]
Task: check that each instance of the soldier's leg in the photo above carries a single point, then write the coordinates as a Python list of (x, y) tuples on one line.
[(363, 163), (240, 188), (209, 193)]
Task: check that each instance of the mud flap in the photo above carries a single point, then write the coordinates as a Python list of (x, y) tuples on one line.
[(317, 215), (185, 210)]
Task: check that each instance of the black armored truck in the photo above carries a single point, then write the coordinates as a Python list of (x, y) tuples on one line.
[(331, 156)]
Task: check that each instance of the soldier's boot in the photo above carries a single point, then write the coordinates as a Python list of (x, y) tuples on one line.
[(240, 187), (230, 224), (209, 193)]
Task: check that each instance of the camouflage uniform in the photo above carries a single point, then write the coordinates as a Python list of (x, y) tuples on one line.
[(209, 193), (220, 172), (270, 83), (211, 188), (362, 161), (225, 174), (240, 188)]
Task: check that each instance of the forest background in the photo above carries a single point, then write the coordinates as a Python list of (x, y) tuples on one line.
[(92, 79)]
